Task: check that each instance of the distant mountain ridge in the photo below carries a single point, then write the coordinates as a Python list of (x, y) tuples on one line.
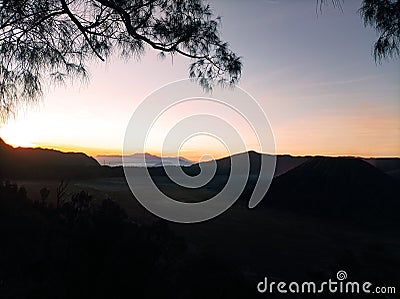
[(48, 163), (136, 160), (284, 163)]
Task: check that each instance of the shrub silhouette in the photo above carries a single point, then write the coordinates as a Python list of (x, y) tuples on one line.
[(44, 194)]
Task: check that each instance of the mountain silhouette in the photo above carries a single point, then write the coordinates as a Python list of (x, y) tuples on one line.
[(390, 166), (18, 163), (336, 186), (283, 163)]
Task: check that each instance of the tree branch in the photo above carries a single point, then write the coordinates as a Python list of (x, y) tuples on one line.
[(80, 27), (126, 19)]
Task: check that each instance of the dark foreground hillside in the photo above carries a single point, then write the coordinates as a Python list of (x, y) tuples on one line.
[(321, 215), (92, 249)]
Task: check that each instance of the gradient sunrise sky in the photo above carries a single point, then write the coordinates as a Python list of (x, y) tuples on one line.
[(313, 74)]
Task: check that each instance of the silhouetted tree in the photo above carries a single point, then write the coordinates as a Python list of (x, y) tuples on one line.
[(41, 38), (44, 194), (384, 17), (61, 192), (82, 207), (81, 201), (22, 192)]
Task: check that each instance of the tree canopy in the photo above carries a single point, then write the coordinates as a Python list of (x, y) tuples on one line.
[(384, 17), (55, 39)]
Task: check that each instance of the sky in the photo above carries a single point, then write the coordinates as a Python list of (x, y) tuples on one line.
[(312, 73)]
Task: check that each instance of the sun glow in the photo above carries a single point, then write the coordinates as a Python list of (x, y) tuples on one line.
[(16, 138)]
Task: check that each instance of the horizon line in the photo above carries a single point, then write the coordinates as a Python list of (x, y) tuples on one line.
[(85, 151)]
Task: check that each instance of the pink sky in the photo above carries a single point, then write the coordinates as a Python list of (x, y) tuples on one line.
[(314, 77)]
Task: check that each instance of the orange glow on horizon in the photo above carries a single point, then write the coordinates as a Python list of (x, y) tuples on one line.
[(196, 156), (360, 131)]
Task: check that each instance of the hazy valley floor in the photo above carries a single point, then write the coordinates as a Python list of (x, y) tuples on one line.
[(266, 241)]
